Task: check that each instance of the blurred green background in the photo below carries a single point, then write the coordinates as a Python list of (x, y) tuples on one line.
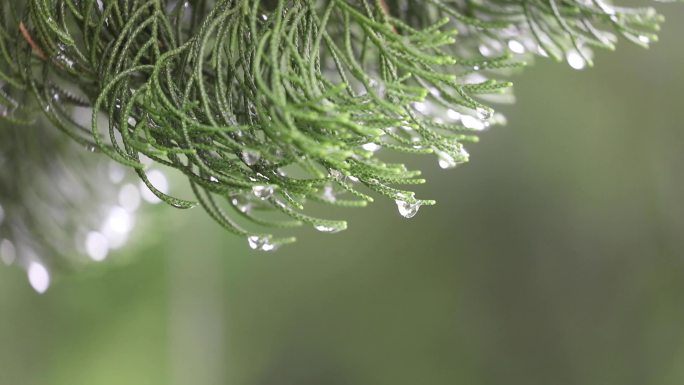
[(555, 257)]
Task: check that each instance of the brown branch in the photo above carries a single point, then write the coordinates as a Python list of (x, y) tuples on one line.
[(385, 7), (27, 36), (386, 11)]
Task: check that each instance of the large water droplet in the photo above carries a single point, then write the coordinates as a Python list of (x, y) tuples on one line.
[(484, 114), (407, 209), (38, 277), (262, 192), (261, 243), (250, 157)]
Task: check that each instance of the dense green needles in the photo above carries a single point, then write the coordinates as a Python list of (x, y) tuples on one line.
[(268, 105)]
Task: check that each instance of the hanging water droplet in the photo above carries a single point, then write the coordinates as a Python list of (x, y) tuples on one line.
[(261, 243), (445, 160), (331, 228), (644, 39), (213, 179), (372, 147), (250, 157), (476, 68), (264, 17), (407, 209), (484, 114), (262, 192), (575, 60), (38, 277)]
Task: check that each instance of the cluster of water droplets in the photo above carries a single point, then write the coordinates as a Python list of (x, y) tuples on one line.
[(263, 192), (520, 42), (262, 243)]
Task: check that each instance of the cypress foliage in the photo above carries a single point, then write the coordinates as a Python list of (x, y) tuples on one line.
[(266, 106)]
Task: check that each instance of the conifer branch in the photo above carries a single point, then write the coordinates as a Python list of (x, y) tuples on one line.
[(265, 106)]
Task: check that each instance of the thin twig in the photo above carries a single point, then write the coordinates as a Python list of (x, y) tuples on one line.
[(27, 36)]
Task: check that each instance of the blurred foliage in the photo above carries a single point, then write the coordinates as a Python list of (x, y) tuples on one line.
[(555, 258)]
